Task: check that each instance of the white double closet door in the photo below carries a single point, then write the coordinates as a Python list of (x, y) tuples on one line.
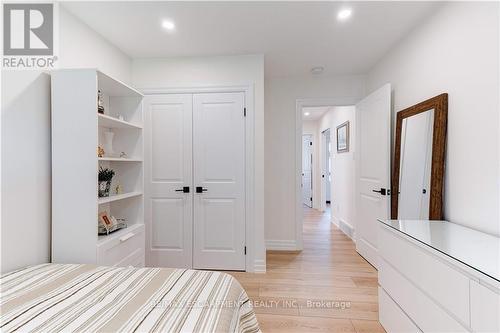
[(195, 142)]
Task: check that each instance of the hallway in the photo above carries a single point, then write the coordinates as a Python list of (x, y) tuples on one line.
[(327, 287)]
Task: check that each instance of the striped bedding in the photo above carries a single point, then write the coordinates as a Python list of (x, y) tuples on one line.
[(87, 298)]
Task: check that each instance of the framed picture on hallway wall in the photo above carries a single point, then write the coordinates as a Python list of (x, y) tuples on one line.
[(343, 137)]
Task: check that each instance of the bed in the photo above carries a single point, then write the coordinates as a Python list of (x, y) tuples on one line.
[(88, 298)]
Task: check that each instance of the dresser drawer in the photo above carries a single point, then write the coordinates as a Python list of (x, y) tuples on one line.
[(485, 308), (114, 251), (426, 314), (392, 318), (445, 285)]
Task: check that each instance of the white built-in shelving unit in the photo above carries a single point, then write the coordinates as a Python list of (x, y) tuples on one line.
[(77, 130)]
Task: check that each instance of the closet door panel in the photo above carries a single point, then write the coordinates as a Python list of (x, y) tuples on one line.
[(168, 169), (219, 169)]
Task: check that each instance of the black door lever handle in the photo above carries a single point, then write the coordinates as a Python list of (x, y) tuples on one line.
[(200, 189), (185, 189), (381, 191)]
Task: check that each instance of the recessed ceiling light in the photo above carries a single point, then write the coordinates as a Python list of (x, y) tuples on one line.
[(317, 70), (306, 113), (168, 25), (344, 14)]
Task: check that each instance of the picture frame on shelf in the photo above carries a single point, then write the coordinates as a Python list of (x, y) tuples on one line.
[(105, 220)]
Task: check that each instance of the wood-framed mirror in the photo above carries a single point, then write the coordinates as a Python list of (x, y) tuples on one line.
[(419, 160)]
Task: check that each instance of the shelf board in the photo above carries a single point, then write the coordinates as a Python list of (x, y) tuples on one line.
[(119, 159), (112, 198), (112, 122), (114, 87)]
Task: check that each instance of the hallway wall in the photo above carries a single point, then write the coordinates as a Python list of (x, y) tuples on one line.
[(343, 168)]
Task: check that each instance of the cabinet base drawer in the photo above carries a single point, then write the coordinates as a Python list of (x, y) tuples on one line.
[(113, 251), (392, 318), (485, 308), (426, 314)]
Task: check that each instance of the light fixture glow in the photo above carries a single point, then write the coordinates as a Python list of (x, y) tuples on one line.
[(168, 25), (344, 14), (306, 114)]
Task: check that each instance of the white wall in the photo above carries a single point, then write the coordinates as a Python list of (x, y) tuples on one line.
[(217, 71), (82, 47), (343, 165), (281, 97), (26, 168), (310, 127), (457, 51)]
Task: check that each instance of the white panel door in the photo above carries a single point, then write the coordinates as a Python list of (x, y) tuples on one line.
[(219, 171), (307, 170), (168, 169), (373, 130)]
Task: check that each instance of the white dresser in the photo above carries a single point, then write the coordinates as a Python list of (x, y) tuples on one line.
[(437, 276)]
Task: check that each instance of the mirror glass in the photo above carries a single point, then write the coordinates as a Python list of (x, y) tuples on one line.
[(415, 166)]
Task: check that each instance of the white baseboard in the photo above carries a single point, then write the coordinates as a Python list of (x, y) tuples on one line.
[(335, 221), (281, 245), (345, 227), (368, 251), (259, 266)]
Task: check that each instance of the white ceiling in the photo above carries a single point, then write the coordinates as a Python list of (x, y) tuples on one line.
[(294, 36), (315, 112)]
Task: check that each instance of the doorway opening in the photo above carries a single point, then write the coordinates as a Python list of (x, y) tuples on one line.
[(332, 173)]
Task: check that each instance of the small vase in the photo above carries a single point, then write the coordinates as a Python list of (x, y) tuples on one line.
[(108, 143), (104, 187)]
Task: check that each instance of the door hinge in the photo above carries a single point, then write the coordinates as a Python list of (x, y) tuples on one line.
[(245, 250), (244, 112)]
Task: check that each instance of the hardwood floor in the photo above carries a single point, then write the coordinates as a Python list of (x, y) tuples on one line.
[(327, 287)]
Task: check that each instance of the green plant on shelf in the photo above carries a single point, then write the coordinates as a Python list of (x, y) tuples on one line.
[(104, 178), (105, 174)]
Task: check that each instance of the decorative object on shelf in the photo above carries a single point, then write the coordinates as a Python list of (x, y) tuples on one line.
[(101, 230), (123, 154), (120, 117), (118, 189), (100, 151), (343, 137), (100, 103), (108, 143), (105, 220), (108, 224), (105, 177), (114, 221)]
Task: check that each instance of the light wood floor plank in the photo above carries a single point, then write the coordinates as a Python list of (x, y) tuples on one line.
[(296, 324)]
